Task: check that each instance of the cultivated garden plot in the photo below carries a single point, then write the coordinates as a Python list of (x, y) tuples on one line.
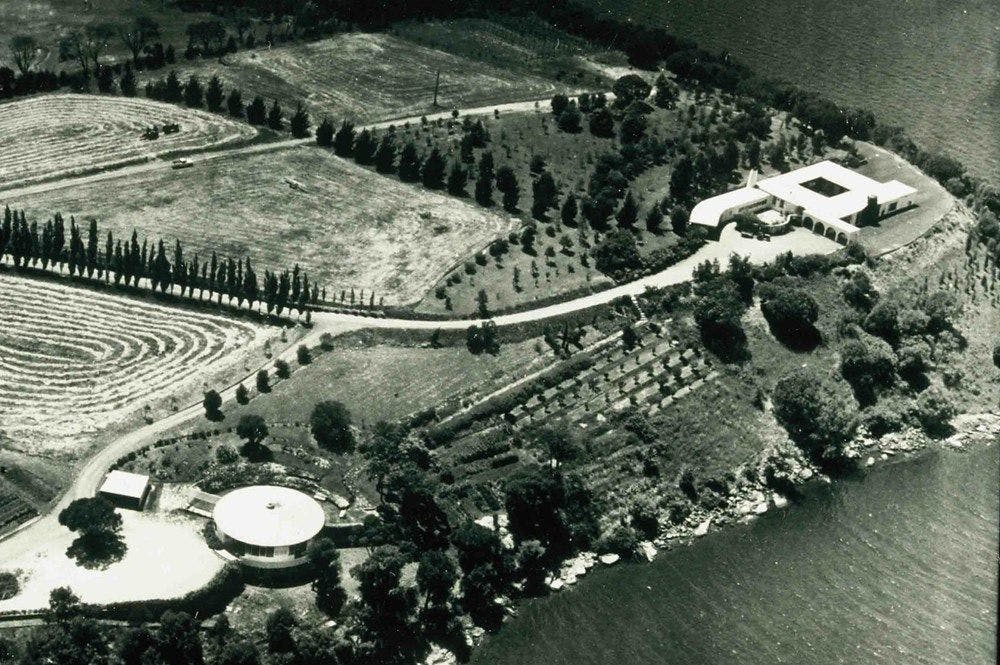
[(58, 135), (73, 361), (345, 226), (366, 77)]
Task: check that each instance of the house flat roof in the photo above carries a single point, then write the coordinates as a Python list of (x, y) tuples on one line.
[(709, 211), (123, 483), (789, 187), (269, 516)]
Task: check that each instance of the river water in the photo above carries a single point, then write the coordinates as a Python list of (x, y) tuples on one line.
[(897, 566), (932, 66)]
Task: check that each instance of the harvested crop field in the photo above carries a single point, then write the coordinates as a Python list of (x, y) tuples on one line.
[(74, 361), (346, 226), (58, 135), (367, 77)]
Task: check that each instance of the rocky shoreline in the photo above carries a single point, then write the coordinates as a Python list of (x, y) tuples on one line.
[(749, 499)]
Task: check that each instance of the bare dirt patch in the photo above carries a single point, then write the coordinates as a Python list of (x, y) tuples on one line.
[(166, 558)]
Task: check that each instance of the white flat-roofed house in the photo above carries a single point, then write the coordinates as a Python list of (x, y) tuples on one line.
[(825, 197), (125, 490)]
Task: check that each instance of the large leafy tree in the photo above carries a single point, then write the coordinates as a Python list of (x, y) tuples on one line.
[(23, 51), (386, 611), (330, 424), (818, 418), (325, 560)]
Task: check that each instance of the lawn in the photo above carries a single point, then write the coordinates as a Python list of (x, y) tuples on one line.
[(346, 226), (387, 382), (366, 77), (58, 135)]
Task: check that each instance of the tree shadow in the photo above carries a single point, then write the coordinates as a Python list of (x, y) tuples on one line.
[(215, 416), (256, 452), (799, 340), (728, 348), (96, 551)]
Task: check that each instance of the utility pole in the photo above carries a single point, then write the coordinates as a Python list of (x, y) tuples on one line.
[(437, 85)]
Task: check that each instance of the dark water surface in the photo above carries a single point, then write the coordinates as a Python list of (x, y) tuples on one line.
[(932, 66), (899, 566)]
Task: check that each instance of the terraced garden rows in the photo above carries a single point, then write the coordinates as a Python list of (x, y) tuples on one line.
[(651, 376), (58, 135), (73, 360), (13, 509)]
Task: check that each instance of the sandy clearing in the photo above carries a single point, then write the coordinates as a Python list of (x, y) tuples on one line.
[(167, 557)]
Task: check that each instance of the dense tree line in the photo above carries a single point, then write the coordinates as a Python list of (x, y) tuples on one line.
[(127, 262), (193, 93)]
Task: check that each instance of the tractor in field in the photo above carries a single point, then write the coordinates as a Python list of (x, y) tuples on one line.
[(171, 128), (151, 133)]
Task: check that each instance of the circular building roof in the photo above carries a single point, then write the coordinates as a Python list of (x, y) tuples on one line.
[(268, 516)]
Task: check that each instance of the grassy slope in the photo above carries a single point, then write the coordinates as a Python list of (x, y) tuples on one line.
[(515, 139), (375, 382), (366, 77), (349, 228), (524, 45), (941, 252), (385, 382)]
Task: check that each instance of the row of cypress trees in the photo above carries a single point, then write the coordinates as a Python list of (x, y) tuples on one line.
[(128, 262)]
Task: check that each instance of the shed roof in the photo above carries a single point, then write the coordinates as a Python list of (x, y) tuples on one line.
[(123, 483)]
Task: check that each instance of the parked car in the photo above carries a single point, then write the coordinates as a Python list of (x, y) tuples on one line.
[(181, 163)]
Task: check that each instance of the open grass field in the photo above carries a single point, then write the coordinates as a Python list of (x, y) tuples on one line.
[(519, 44), (75, 361), (59, 135), (366, 77), (387, 382), (347, 227)]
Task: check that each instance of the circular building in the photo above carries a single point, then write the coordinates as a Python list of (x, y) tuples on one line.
[(266, 526)]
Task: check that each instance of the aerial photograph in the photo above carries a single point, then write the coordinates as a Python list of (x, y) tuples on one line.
[(499, 332)]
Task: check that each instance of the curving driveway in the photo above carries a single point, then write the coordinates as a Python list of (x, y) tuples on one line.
[(47, 531)]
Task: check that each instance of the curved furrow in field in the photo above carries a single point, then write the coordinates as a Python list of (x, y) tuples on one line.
[(74, 360)]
